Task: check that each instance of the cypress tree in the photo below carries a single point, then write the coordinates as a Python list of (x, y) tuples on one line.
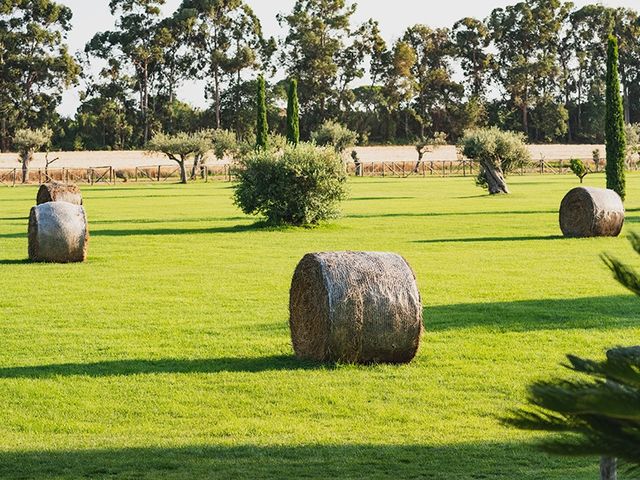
[(262, 126), (293, 115), (615, 133)]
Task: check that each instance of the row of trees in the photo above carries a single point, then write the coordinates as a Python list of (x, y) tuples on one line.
[(538, 67)]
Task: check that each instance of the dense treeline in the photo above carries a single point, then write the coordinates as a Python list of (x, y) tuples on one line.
[(537, 67)]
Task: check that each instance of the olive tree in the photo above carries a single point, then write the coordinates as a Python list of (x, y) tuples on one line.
[(333, 134), (498, 153), (28, 142), (427, 145), (181, 148)]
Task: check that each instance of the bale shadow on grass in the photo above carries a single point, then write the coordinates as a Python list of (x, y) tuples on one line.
[(20, 261), (532, 315), (114, 368), (443, 462)]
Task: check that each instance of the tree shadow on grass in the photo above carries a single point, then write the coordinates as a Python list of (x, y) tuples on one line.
[(146, 221), (492, 239), (497, 461), (115, 368), (531, 315)]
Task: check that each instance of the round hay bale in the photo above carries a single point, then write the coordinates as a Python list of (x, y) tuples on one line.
[(591, 212), (58, 233), (59, 192), (355, 307)]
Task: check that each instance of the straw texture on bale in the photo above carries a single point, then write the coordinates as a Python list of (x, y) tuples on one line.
[(59, 192), (591, 212), (355, 307), (58, 233)]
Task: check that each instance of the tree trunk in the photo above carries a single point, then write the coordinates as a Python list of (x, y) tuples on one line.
[(196, 164), (495, 179), (25, 167), (183, 172), (608, 468)]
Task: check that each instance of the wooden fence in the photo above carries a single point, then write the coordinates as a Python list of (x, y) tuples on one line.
[(163, 173)]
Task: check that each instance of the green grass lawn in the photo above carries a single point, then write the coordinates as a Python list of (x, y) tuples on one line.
[(167, 354)]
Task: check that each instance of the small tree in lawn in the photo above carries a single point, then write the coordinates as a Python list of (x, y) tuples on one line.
[(335, 135), (429, 145), (28, 142), (181, 148), (598, 414), (614, 124), (579, 169), (262, 125), (293, 114), (498, 153)]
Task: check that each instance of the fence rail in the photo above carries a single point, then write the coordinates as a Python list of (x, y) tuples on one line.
[(163, 173)]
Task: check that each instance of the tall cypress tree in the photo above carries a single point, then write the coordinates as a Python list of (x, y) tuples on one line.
[(615, 133), (262, 126), (293, 115)]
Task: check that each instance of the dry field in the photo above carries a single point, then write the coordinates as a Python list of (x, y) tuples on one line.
[(129, 159)]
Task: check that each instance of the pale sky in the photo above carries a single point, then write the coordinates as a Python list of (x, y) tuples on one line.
[(91, 16)]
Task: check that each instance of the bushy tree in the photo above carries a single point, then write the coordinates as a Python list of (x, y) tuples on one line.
[(181, 147), (300, 185), (615, 130), (334, 134), (579, 169), (35, 64), (28, 142), (498, 153), (597, 414)]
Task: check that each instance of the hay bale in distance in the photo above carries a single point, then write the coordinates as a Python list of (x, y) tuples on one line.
[(58, 233), (355, 307), (59, 192), (591, 212)]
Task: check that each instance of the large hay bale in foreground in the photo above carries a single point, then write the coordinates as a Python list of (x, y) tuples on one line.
[(355, 307), (59, 192), (58, 233), (591, 212)]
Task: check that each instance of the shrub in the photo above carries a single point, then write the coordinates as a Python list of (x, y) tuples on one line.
[(333, 134), (298, 186), (498, 153), (579, 168)]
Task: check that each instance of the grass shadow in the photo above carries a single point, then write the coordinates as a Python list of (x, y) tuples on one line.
[(449, 214), (492, 239), (531, 315), (115, 368), (497, 461), (366, 199)]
